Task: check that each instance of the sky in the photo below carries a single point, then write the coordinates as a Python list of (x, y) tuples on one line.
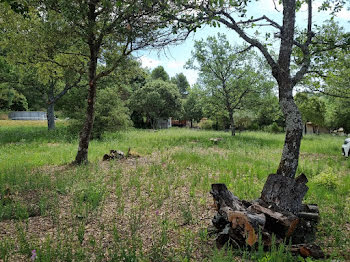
[(173, 58)]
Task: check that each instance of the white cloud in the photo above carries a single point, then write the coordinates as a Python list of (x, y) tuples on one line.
[(176, 64), (149, 62), (191, 75), (344, 14)]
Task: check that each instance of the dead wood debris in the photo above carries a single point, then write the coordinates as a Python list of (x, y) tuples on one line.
[(239, 223)]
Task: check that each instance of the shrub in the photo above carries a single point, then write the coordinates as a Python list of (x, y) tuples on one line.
[(206, 124), (327, 179), (111, 114), (273, 128), (10, 99)]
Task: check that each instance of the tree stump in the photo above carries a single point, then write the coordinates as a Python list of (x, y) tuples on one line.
[(239, 222)]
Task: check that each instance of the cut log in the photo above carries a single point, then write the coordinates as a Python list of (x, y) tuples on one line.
[(282, 223), (224, 198), (308, 250), (308, 221), (239, 222), (287, 193), (244, 225), (113, 154)]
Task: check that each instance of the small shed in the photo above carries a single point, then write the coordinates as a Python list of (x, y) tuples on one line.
[(163, 123), (27, 115), (311, 128)]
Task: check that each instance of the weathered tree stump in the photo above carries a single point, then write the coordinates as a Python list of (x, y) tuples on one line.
[(239, 222), (285, 192)]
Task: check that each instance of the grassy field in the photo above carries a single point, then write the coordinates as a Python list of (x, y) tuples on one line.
[(156, 205)]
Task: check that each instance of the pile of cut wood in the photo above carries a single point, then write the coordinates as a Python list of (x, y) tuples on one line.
[(239, 222), (117, 154)]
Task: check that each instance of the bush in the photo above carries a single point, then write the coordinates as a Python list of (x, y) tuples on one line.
[(273, 128), (111, 114), (206, 124), (327, 179), (10, 99)]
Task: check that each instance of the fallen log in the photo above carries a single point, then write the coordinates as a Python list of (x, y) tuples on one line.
[(239, 222)]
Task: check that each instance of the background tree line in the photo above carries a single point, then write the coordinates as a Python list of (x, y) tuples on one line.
[(137, 97)]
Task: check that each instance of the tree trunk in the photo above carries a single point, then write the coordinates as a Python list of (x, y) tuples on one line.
[(51, 116), (232, 123), (51, 107), (294, 131), (94, 47), (85, 134), (240, 222)]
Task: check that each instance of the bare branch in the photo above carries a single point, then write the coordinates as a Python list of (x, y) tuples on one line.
[(305, 48), (231, 23), (274, 3)]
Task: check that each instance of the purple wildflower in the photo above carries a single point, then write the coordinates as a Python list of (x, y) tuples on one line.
[(33, 257)]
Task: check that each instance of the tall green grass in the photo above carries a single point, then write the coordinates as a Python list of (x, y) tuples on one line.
[(156, 207)]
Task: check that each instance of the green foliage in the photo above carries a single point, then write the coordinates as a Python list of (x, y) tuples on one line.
[(273, 128), (157, 99), (338, 113), (269, 112), (6, 247), (228, 76), (312, 108), (111, 113), (206, 124), (10, 99), (159, 73), (327, 179), (87, 199), (182, 84), (193, 105), (244, 120)]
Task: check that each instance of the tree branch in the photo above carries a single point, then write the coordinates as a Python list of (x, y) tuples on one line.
[(231, 23), (305, 48)]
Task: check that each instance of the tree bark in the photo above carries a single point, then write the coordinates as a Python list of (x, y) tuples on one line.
[(51, 108), (94, 46), (85, 134), (294, 131), (232, 123), (51, 116), (240, 222)]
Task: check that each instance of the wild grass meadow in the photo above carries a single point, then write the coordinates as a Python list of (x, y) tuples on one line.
[(155, 205)]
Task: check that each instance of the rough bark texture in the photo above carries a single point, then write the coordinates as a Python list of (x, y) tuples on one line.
[(287, 193), (239, 222), (51, 116), (94, 46), (85, 134), (290, 155), (294, 131), (51, 107)]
